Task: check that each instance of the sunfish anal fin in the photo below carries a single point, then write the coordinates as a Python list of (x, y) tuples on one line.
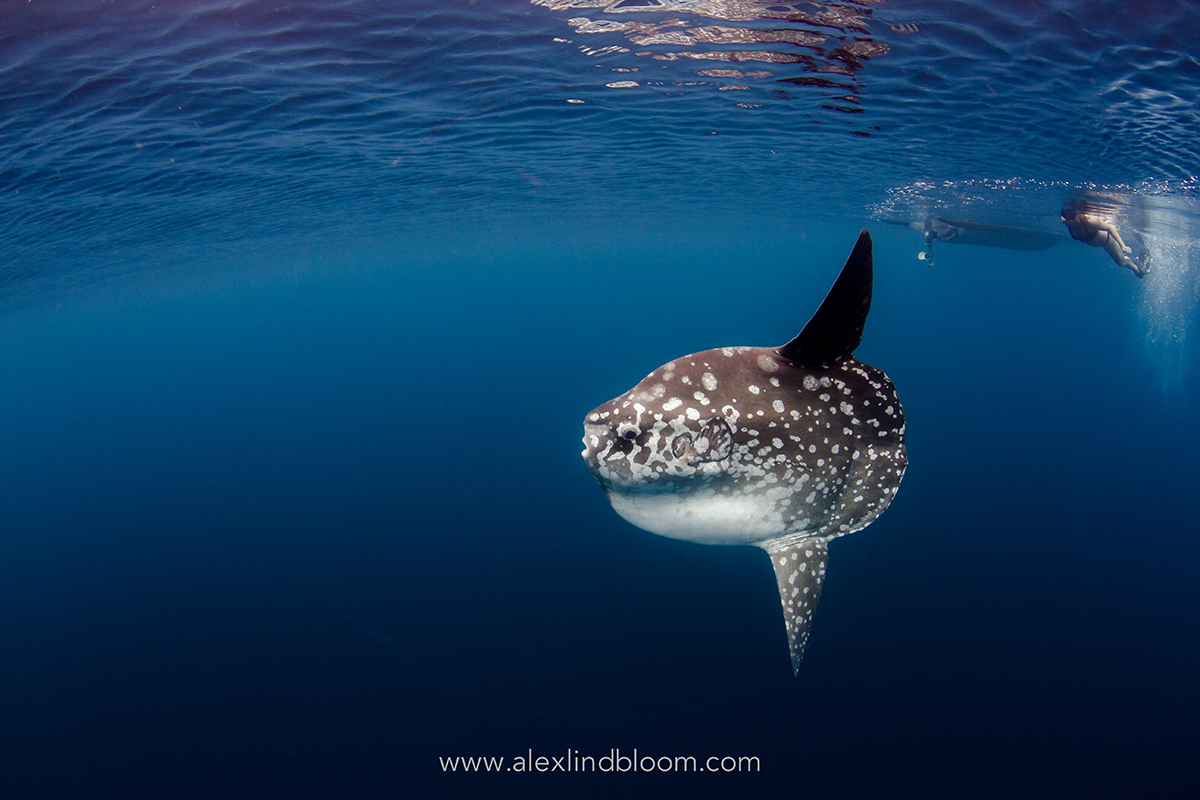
[(799, 571)]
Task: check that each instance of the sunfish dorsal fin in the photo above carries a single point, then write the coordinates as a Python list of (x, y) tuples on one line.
[(836, 329), (799, 571)]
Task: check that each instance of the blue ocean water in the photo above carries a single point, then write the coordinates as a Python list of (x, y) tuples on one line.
[(302, 305)]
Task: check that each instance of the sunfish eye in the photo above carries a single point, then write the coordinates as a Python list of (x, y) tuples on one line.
[(627, 430)]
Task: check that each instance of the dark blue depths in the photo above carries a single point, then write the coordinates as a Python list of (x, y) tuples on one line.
[(305, 537)]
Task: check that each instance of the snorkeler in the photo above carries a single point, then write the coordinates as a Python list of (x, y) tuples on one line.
[(1099, 231), (936, 228)]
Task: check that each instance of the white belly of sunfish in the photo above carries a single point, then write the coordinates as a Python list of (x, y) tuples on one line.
[(702, 518)]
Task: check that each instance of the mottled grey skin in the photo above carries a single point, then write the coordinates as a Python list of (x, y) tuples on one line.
[(801, 452), (744, 446)]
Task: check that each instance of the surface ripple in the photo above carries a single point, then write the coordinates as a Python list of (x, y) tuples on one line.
[(179, 125)]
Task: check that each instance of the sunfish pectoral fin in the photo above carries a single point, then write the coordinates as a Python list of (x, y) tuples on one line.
[(799, 571), (714, 442)]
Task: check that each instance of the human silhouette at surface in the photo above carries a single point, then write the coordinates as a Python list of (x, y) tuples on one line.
[(1097, 229), (936, 228)]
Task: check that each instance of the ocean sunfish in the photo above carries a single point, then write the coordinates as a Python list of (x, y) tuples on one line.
[(783, 448)]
